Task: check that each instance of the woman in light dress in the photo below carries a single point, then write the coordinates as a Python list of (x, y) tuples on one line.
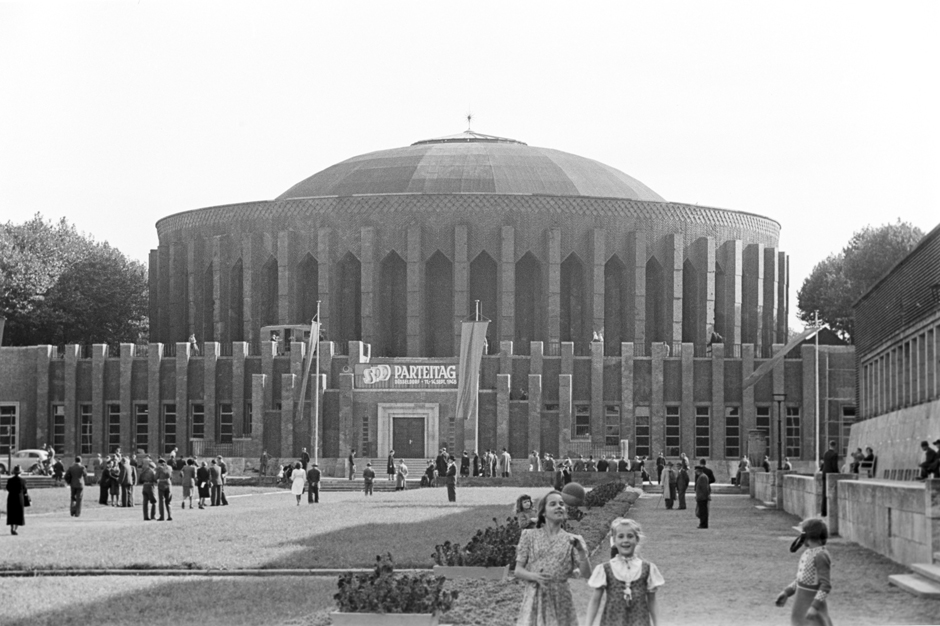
[(401, 475), (297, 481)]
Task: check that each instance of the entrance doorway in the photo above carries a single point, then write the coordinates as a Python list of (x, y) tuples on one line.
[(408, 437)]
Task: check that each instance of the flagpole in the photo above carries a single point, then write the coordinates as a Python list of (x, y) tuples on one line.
[(817, 389), (316, 393)]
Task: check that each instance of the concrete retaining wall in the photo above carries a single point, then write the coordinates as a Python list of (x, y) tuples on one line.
[(895, 437), (802, 495)]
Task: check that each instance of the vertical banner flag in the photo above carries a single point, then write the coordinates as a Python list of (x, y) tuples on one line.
[(312, 346), (472, 338)]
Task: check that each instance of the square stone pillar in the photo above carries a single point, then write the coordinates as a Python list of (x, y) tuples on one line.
[(554, 285), (287, 415), (832, 494), (597, 392), (209, 363), (462, 304), (507, 284), (43, 361), (258, 383), (565, 416), (687, 410), (752, 295), (182, 397), (657, 399), (536, 357), (239, 354), (635, 315), (770, 297), (672, 282), (154, 397), (128, 421), (567, 357), (535, 413), (367, 285), (717, 430), (324, 270), (627, 412), (503, 388), (415, 286), (267, 368), (347, 435), (99, 421)]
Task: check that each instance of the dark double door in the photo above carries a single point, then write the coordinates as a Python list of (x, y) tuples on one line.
[(408, 437)]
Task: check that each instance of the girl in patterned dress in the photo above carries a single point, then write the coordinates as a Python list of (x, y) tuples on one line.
[(545, 558), (811, 585), (629, 582)]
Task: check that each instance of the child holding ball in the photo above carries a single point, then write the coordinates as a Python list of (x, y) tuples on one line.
[(811, 585), (629, 582)]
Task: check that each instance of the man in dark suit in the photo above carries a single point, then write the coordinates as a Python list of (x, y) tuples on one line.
[(148, 479), (622, 465), (164, 479), (222, 466), (708, 472), (75, 476), (451, 478), (931, 461), (313, 484), (127, 477), (304, 459), (703, 493), (440, 464), (830, 466), (215, 483), (602, 463)]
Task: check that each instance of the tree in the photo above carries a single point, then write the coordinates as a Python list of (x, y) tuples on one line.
[(839, 280), (58, 286)]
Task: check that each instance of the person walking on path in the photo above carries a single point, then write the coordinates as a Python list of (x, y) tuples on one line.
[(16, 501), (682, 484), (390, 465), (313, 484), (545, 558), (812, 584), (224, 468), (451, 479), (703, 493), (298, 478), (148, 479), (164, 481), (629, 582), (368, 477), (76, 477)]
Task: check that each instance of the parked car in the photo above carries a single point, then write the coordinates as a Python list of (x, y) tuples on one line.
[(29, 461)]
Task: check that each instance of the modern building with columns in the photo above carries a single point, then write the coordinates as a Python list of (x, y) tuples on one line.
[(603, 298)]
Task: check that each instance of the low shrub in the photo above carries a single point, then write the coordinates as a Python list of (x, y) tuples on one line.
[(602, 494), (494, 546), (382, 591)]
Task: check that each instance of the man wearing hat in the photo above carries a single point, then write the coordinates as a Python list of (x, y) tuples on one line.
[(931, 464), (313, 484)]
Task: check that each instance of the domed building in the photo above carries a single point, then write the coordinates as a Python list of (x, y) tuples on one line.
[(620, 322)]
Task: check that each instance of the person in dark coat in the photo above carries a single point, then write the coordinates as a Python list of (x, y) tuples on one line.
[(660, 468), (451, 479), (440, 463), (703, 493), (16, 501), (929, 465), (465, 464), (104, 485), (476, 464), (707, 471), (672, 484), (76, 477), (830, 466), (203, 478), (313, 484), (682, 484), (304, 459), (215, 481), (390, 465)]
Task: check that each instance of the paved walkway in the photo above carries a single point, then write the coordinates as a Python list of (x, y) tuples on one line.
[(732, 572)]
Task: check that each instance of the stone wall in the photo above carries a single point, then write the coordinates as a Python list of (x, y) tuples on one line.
[(895, 437), (802, 495)]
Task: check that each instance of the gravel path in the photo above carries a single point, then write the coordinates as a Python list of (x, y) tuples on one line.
[(732, 572)]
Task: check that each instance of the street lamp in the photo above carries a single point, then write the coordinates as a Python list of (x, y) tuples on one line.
[(779, 398)]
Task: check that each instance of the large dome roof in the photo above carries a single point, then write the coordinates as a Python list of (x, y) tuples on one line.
[(472, 163)]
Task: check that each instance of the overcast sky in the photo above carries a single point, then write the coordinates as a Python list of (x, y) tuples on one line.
[(820, 115)]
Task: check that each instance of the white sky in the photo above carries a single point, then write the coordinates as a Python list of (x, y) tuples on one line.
[(821, 115)]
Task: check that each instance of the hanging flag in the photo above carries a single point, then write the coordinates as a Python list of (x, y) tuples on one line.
[(312, 345), (472, 340), (769, 364)]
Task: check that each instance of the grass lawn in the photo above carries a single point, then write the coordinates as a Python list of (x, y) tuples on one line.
[(262, 528)]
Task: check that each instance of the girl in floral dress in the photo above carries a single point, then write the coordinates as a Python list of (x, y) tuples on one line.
[(545, 558), (629, 582)]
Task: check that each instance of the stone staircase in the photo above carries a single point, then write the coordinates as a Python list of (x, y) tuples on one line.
[(924, 582)]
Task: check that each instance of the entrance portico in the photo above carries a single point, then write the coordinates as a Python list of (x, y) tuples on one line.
[(410, 428)]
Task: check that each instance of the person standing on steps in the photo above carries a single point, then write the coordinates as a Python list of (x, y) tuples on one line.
[(401, 476), (390, 465), (313, 484)]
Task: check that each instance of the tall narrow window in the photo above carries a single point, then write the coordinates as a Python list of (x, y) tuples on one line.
[(612, 425), (84, 429), (225, 423), (793, 432), (58, 428), (642, 431), (763, 422), (582, 421), (732, 432), (8, 426), (169, 428), (198, 421), (673, 441), (364, 445), (246, 420), (114, 426), (702, 432), (142, 426)]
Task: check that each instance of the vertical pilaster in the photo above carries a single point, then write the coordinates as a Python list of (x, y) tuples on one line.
[(748, 410), (783, 295), (598, 258), (687, 410), (627, 413), (258, 384), (239, 353), (636, 289), (288, 396), (324, 270), (163, 294), (267, 368), (554, 285), (597, 391), (209, 363), (769, 327), (505, 357), (462, 304), (347, 438), (192, 285), (657, 399), (128, 423), (717, 432), (218, 306), (779, 410), (535, 412), (43, 360), (565, 413), (503, 388), (177, 292), (249, 332), (731, 255), (154, 310), (415, 282), (702, 256), (299, 415), (567, 358), (752, 295), (71, 401), (672, 277), (368, 285), (183, 431), (507, 284), (285, 261), (536, 357), (154, 398), (99, 353)]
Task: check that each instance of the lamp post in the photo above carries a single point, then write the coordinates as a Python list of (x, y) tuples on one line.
[(779, 398)]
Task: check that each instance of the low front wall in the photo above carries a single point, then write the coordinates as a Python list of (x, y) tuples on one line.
[(802, 495), (897, 519)]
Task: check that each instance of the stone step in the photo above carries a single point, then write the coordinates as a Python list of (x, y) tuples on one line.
[(916, 585), (927, 570)]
